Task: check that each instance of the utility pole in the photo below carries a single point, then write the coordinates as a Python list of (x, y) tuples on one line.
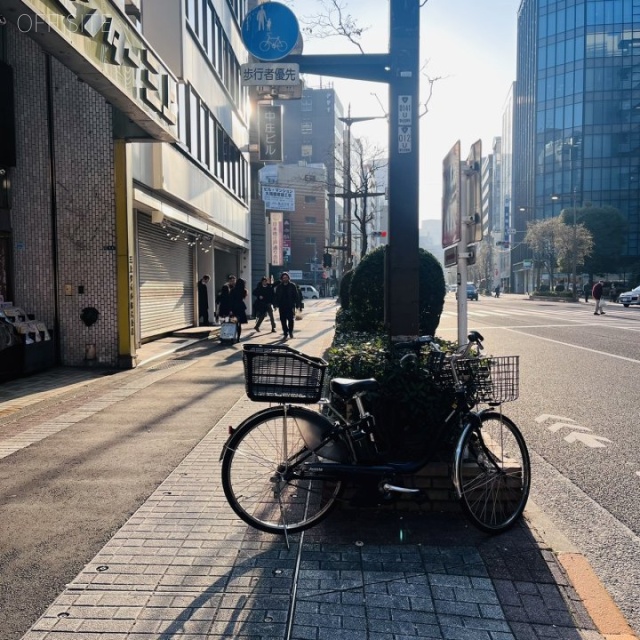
[(347, 195)]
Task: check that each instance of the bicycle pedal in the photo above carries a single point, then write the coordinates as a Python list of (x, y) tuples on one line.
[(392, 487)]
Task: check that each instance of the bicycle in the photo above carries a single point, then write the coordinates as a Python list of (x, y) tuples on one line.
[(272, 42), (285, 467)]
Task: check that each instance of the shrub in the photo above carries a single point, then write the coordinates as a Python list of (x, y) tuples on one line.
[(367, 293), (409, 409), (345, 286)]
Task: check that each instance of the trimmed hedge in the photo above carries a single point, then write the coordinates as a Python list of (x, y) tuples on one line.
[(366, 293)]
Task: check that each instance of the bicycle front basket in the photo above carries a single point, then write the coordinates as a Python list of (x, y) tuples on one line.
[(277, 373), (491, 379)]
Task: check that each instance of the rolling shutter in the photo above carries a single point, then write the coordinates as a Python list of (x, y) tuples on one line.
[(165, 280)]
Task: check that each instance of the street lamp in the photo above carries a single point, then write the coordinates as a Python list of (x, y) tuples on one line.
[(348, 120), (574, 252)]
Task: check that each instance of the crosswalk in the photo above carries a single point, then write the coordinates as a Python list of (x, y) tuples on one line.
[(565, 313)]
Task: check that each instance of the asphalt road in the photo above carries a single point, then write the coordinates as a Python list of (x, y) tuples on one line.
[(578, 410)]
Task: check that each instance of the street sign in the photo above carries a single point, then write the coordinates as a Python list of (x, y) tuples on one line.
[(451, 197), (279, 198), (404, 111), (404, 139), (270, 73), (270, 31)]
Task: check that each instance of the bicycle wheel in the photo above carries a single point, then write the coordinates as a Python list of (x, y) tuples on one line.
[(263, 474), (492, 472)]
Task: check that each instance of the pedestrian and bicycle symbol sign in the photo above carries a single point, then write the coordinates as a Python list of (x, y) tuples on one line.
[(270, 31)]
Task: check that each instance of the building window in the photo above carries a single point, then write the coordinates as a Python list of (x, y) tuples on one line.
[(307, 128), (310, 240), (306, 104), (308, 200), (309, 219)]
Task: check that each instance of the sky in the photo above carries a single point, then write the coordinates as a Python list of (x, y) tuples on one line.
[(470, 45)]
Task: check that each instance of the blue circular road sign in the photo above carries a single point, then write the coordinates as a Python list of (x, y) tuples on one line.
[(270, 31)]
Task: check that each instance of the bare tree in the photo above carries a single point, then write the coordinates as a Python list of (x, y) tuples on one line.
[(368, 161), (334, 19)]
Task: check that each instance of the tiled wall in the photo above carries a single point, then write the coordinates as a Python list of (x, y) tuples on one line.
[(83, 240)]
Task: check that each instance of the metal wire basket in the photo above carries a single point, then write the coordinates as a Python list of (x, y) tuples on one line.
[(486, 379), (277, 373)]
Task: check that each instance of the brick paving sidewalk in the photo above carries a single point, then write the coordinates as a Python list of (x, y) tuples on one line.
[(184, 566)]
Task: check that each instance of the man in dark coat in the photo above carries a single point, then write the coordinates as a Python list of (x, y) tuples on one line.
[(264, 303), (203, 301), (287, 299), (597, 296)]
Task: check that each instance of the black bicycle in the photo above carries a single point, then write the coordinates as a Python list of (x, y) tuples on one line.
[(285, 468)]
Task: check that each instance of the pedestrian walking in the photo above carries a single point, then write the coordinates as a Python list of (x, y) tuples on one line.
[(287, 299), (203, 301), (497, 291), (223, 299), (263, 304), (613, 293), (586, 289), (597, 296), (237, 296)]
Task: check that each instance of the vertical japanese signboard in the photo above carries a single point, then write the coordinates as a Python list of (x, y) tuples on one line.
[(451, 197), (276, 238), (270, 128)]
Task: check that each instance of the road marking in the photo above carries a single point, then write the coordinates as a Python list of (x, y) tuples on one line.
[(549, 416), (567, 344), (587, 438), (556, 426)]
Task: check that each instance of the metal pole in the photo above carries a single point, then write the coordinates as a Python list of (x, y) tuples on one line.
[(402, 266), (347, 190), (575, 244)]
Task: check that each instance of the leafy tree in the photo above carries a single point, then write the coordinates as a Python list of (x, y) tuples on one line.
[(570, 246), (608, 228), (543, 238)]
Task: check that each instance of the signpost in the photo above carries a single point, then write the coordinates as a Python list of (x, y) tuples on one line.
[(270, 31)]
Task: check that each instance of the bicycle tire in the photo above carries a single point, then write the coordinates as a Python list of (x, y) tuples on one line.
[(492, 472), (254, 469)]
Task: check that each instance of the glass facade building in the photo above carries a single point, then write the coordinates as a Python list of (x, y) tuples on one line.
[(576, 113)]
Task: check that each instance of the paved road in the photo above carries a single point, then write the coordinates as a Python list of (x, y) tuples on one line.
[(579, 413)]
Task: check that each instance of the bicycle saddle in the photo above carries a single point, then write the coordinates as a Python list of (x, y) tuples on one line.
[(474, 336), (346, 387)]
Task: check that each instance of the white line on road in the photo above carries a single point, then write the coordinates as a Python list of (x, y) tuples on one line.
[(566, 344)]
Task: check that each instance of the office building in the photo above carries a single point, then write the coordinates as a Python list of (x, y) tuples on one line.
[(576, 121)]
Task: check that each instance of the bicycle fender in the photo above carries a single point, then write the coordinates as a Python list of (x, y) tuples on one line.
[(472, 420), (232, 430)]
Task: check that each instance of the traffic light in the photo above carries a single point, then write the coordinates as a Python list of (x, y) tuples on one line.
[(327, 260), (379, 234)]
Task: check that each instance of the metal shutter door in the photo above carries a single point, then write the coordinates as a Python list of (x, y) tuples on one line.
[(165, 280)]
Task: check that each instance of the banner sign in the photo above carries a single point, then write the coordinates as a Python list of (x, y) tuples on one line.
[(451, 175), (270, 130), (270, 73), (279, 198), (286, 240), (276, 238)]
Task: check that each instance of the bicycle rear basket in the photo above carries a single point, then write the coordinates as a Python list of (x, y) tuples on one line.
[(276, 373), (491, 379)]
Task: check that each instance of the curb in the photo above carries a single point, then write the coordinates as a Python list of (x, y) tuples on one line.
[(603, 611)]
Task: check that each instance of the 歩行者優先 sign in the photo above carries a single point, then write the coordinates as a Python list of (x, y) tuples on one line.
[(270, 73), (279, 198)]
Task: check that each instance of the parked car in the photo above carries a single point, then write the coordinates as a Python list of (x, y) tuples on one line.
[(472, 291), (309, 292), (630, 297)]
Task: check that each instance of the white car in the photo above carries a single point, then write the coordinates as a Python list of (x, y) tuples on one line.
[(630, 297), (309, 292)]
